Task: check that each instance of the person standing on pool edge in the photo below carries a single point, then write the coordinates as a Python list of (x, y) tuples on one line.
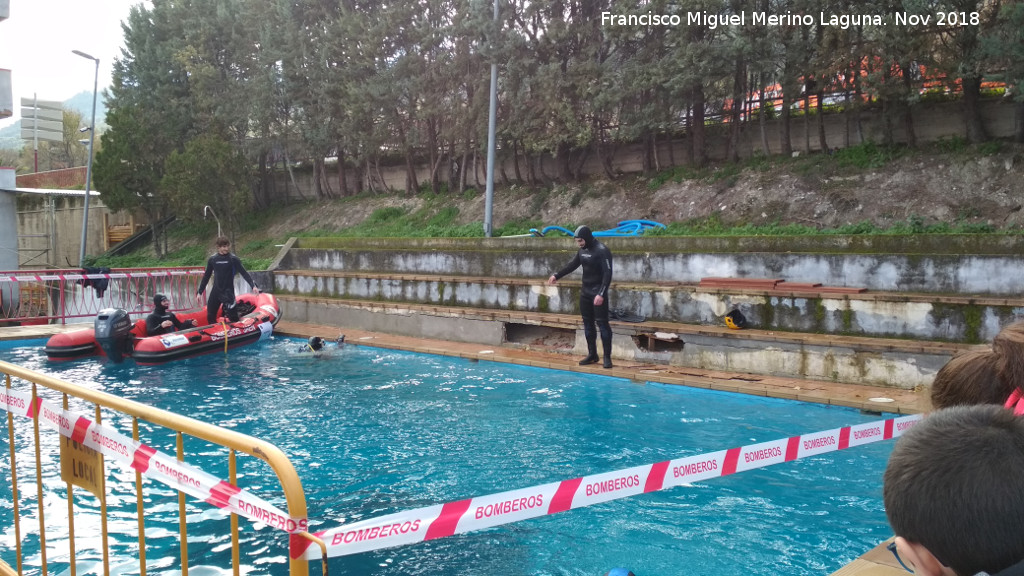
[(596, 260), (223, 265)]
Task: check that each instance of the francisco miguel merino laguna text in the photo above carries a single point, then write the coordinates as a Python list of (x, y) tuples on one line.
[(843, 21)]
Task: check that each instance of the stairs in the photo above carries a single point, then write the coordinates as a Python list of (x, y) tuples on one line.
[(799, 328)]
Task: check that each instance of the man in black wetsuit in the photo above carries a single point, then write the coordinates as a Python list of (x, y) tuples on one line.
[(223, 265), (596, 260), (162, 321)]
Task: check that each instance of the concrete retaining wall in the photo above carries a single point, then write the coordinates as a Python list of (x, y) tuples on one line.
[(932, 122), (957, 289), (954, 264), (823, 361), (795, 358), (918, 317), (396, 321)]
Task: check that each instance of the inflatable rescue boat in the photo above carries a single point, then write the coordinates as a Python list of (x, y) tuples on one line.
[(115, 336)]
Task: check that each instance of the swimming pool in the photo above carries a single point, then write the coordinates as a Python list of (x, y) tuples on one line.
[(374, 431)]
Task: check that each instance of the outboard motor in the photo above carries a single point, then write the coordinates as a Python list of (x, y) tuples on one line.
[(112, 333)]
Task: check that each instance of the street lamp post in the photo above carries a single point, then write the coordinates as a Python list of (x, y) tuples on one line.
[(88, 169), (491, 130), (207, 208)]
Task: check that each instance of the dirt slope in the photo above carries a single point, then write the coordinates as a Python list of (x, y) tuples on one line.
[(960, 186)]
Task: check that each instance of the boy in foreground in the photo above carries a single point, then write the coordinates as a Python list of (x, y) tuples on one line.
[(954, 493)]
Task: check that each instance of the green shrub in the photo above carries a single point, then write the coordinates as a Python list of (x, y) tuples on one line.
[(951, 144), (990, 148), (867, 155), (676, 174), (517, 227), (446, 217), (387, 214)]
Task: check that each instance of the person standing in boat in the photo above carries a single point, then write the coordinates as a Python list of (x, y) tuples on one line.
[(596, 260), (223, 265), (162, 320)]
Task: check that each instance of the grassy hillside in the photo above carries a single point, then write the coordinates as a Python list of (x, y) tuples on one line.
[(949, 187)]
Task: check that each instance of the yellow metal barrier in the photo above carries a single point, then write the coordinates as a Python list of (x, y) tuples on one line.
[(83, 470)]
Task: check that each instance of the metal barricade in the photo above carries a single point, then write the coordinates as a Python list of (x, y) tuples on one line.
[(53, 417), (42, 297)]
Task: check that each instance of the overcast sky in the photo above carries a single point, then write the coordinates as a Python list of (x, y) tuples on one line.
[(37, 39)]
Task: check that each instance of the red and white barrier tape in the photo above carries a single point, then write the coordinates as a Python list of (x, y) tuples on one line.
[(150, 462), (496, 509)]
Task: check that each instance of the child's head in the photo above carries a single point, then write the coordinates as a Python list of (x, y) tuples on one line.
[(954, 491), (223, 244), (969, 378), (983, 376)]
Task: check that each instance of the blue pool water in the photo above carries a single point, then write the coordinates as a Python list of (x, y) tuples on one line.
[(374, 431)]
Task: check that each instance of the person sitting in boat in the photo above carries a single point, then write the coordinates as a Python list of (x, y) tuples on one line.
[(163, 321)]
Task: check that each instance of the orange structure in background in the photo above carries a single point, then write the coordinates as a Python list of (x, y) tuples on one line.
[(840, 87), (66, 179)]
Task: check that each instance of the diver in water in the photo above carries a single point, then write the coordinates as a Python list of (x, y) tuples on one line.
[(317, 346)]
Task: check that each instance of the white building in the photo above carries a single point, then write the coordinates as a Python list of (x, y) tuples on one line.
[(6, 94), (8, 216)]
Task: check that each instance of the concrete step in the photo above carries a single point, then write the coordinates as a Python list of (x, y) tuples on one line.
[(773, 285), (885, 362), (770, 305)]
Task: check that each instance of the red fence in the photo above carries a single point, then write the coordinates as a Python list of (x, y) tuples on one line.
[(48, 296), (60, 179)]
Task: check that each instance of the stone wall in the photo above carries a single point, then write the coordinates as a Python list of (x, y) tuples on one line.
[(928, 297), (932, 122), (873, 314), (8, 222), (49, 234)]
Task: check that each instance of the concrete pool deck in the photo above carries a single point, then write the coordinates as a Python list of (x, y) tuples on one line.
[(876, 562)]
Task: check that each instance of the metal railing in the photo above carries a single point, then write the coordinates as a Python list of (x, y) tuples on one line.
[(50, 415), (57, 296)]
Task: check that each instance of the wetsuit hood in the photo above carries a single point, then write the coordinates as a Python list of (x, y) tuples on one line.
[(158, 302), (587, 236)]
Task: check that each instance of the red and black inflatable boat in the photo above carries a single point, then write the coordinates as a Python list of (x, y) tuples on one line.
[(116, 337)]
